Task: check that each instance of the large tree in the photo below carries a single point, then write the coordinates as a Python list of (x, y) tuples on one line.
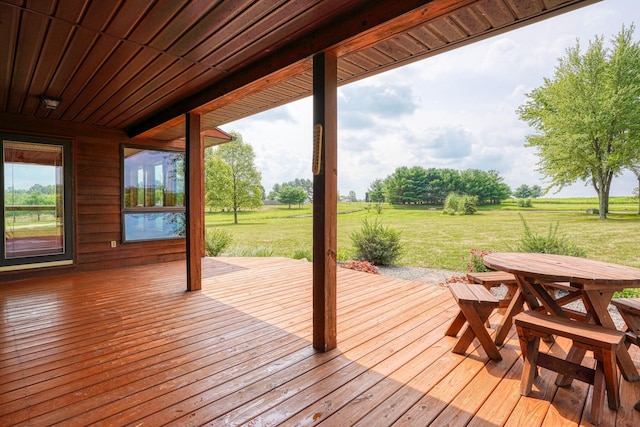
[(243, 187), (217, 181), (289, 195), (586, 116)]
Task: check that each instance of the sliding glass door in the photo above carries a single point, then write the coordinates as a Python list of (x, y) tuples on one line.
[(37, 202)]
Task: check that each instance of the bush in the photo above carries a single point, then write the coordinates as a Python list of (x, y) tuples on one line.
[(525, 203), (344, 254), (475, 262), (302, 253), (549, 244), (216, 241), (456, 204), (376, 244)]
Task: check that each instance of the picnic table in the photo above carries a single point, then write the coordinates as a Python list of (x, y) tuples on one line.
[(594, 281)]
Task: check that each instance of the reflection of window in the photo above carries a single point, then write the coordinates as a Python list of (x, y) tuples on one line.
[(37, 204), (153, 202)]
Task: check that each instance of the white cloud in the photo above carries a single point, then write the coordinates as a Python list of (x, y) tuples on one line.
[(453, 110)]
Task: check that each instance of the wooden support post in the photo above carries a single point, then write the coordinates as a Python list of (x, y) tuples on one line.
[(193, 198), (325, 193)]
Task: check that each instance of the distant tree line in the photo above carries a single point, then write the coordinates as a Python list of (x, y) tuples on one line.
[(293, 192), (36, 195), (417, 185)]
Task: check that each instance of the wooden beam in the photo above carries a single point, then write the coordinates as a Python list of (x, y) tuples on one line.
[(194, 198), (325, 193)]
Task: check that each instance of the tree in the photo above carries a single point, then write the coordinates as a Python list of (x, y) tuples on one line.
[(245, 189), (636, 171), (488, 186), (376, 191), (306, 185), (522, 192), (586, 117), (352, 196), (536, 191), (217, 181), (289, 194)]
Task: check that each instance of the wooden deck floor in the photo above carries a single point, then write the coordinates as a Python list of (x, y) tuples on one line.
[(131, 347)]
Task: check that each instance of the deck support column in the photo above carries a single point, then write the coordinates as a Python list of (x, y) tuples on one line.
[(194, 188), (325, 193)]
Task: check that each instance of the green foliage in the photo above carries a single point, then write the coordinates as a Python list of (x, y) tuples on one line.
[(586, 116), (433, 240), (457, 204), (236, 181), (525, 192), (302, 253), (525, 203), (216, 241), (376, 191), (627, 293), (417, 185), (291, 195), (549, 244), (376, 243), (217, 181), (258, 251), (305, 185), (475, 262), (344, 254), (376, 207)]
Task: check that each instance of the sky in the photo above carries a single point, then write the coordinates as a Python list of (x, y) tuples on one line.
[(455, 110)]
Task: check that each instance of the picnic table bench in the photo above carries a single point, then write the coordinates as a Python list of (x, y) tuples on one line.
[(602, 341), (476, 305)]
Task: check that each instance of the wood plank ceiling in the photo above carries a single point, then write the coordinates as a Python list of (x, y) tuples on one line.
[(140, 65)]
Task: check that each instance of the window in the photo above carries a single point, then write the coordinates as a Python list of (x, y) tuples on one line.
[(37, 205), (153, 205)]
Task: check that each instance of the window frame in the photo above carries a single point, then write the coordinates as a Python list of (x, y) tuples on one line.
[(150, 210), (39, 261)]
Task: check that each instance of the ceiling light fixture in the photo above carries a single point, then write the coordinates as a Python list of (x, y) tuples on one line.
[(50, 102)]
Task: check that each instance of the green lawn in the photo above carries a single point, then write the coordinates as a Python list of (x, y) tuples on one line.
[(433, 240)]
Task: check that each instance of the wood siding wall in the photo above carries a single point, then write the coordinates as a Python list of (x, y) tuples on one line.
[(96, 166)]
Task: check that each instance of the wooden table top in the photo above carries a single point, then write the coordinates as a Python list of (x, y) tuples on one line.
[(562, 268)]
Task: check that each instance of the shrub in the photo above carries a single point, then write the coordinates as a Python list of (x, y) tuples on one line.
[(344, 254), (549, 244), (302, 253), (475, 262), (364, 266), (456, 204), (377, 207), (525, 203), (216, 241), (376, 244)]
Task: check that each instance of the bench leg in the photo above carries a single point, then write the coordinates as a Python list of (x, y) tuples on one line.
[(476, 316), (456, 325), (530, 368), (611, 378), (597, 398)]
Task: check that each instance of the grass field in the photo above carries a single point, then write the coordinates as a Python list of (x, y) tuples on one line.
[(431, 239)]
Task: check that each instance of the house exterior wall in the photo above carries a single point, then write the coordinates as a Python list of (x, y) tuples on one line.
[(97, 186)]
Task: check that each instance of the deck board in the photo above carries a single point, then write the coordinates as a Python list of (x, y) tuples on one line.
[(130, 347)]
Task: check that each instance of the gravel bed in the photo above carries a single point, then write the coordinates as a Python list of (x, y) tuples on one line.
[(435, 277)]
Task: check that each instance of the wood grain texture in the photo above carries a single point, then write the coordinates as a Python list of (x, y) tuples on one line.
[(128, 346)]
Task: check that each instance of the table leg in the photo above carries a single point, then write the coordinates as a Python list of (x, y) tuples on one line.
[(515, 307), (597, 303)]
